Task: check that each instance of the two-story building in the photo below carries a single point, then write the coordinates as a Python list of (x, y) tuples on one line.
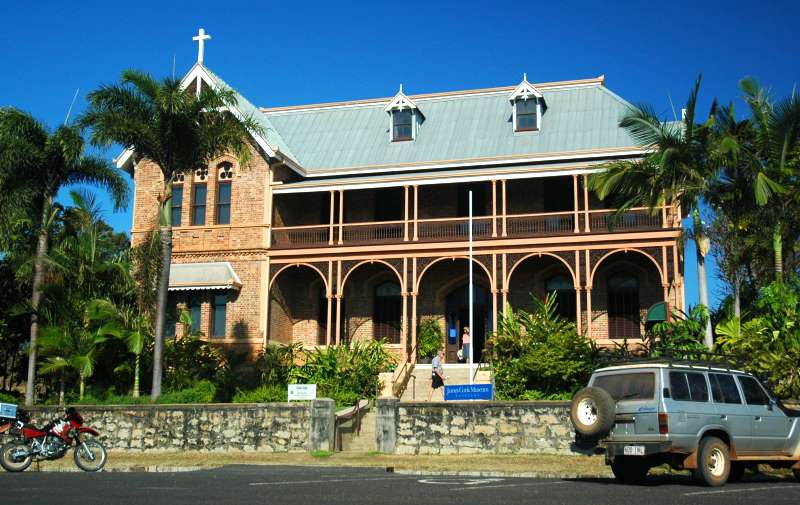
[(351, 221)]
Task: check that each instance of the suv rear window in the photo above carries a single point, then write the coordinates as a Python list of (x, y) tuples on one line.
[(753, 394), (688, 386), (724, 389), (628, 386)]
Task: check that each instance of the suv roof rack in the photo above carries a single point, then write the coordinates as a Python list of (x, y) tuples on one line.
[(679, 357)]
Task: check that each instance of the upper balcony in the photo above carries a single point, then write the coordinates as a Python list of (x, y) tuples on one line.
[(523, 208)]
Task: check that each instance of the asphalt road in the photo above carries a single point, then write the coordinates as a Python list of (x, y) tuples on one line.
[(241, 485)]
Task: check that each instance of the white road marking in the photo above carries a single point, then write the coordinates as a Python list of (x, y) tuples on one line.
[(740, 490), (466, 482), (323, 481), (526, 484)]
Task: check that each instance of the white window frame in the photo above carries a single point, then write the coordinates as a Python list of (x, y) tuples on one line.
[(413, 125), (538, 115)]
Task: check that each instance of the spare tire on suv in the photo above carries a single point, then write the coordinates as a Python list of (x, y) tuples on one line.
[(592, 412)]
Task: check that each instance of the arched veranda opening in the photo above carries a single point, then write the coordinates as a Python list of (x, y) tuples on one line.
[(624, 285), (536, 276), (372, 306), (443, 295), (298, 307)]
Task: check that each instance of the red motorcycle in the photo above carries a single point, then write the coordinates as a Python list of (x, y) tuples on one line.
[(52, 442)]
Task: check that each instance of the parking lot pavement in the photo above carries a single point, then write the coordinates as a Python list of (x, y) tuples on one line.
[(294, 485)]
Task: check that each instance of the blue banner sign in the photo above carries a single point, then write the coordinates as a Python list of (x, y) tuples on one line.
[(468, 392)]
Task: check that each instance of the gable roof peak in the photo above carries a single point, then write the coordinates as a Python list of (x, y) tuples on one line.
[(525, 90), (400, 102)]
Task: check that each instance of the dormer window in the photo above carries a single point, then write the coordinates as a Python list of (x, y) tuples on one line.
[(527, 115), (402, 125), (527, 107), (404, 117)]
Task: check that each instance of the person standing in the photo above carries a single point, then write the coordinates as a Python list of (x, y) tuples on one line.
[(437, 374), (465, 343)]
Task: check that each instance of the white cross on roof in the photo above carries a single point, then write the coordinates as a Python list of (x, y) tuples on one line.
[(201, 37)]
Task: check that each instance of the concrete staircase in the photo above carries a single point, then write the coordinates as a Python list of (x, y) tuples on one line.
[(358, 435), (419, 385)]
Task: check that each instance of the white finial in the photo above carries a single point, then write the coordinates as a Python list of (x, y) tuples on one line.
[(401, 87), (201, 37), (525, 76)]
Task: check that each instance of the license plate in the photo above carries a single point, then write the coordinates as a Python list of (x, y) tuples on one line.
[(633, 450)]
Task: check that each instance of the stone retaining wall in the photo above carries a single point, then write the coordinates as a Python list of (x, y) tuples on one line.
[(273, 427), (476, 427)]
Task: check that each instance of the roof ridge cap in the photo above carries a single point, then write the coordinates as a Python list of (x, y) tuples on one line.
[(600, 80)]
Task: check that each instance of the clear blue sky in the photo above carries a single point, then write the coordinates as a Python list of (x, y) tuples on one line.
[(280, 53)]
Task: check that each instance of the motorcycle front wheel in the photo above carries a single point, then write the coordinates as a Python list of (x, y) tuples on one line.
[(90, 455), (15, 456)]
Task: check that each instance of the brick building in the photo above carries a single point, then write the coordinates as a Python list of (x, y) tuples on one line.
[(351, 223)]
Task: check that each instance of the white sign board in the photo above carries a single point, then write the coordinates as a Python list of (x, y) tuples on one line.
[(302, 392)]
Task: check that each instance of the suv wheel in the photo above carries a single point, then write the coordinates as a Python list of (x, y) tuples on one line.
[(630, 470), (592, 412), (713, 462)]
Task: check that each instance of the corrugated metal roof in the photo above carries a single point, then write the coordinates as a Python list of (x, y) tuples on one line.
[(272, 135), (190, 276), (454, 128)]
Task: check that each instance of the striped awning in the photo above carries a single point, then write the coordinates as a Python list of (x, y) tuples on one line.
[(194, 276)]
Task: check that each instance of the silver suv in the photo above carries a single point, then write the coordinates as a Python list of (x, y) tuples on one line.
[(708, 418)]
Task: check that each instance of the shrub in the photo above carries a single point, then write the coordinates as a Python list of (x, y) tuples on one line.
[(429, 337), (264, 394), (347, 372), (188, 360), (201, 392), (276, 363), (683, 336), (539, 355), (8, 398), (768, 344)]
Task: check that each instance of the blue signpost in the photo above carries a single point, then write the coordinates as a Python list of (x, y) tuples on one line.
[(468, 392)]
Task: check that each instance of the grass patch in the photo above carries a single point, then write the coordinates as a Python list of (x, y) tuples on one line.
[(321, 454)]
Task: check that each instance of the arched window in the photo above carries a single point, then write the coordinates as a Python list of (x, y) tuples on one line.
[(623, 307), (561, 285), (386, 312), (224, 181)]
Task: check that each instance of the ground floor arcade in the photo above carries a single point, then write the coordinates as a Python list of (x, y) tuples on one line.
[(605, 291)]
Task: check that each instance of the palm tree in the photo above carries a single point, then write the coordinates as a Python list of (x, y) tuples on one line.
[(179, 130), (674, 171), (34, 165), (132, 327), (74, 347), (774, 157), (732, 195)]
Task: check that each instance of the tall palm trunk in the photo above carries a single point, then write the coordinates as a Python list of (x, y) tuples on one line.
[(777, 247), (737, 296), (702, 242), (36, 298), (165, 235), (136, 367), (61, 388), (82, 386)]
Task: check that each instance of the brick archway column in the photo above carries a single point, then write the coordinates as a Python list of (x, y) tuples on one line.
[(404, 326), (338, 318), (414, 352), (666, 292), (578, 295), (505, 300), (329, 320), (494, 310)]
